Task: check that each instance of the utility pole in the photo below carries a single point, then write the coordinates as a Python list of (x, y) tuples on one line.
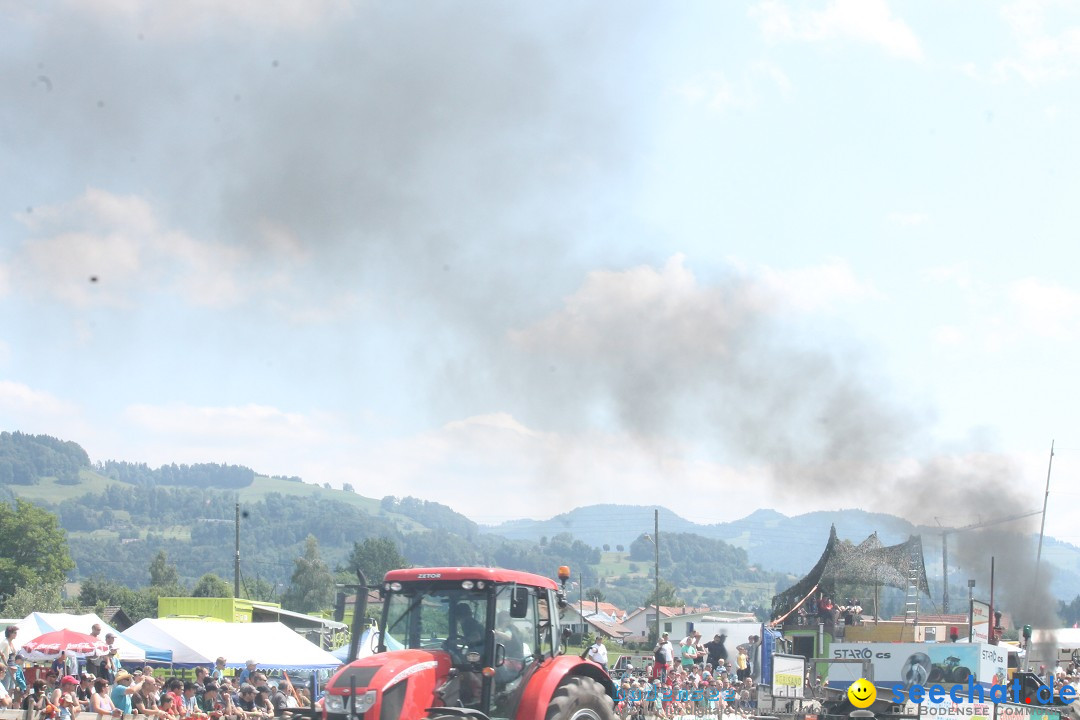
[(656, 568), (945, 532), (945, 573), (236, 560), (971, 611), (1042, 527)]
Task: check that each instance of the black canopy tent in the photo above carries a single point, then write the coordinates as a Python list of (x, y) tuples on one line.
[(869, 562)]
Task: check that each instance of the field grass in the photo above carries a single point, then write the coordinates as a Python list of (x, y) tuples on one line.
[(49, 490), (263, 486), (617, 564)]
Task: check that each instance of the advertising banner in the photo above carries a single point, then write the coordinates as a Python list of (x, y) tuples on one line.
[(788, 675), (919, 663), (980, 621), (949, 710), (1008, 711)]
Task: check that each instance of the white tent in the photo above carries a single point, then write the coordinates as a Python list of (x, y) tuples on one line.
[(29, 628), (200, 642), (129, 652), (36, 624)]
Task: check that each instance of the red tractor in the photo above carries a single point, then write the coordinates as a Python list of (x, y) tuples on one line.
[(469, 643)]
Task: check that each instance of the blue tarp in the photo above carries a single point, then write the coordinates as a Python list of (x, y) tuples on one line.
[(153, 654)]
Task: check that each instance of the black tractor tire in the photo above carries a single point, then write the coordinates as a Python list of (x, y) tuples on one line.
[(580, 698), (959, 675)]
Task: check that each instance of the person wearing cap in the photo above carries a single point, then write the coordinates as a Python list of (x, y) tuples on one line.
[(63, 697), (664, 656), (110, 665), (84, 693), (244, 701), (246, 673), (262, 701), (123, 691)]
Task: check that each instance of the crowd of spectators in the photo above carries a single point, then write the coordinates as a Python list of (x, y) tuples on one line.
[(823, 609), (698, 690), (1059, 676), (102, 686), (692, 678)]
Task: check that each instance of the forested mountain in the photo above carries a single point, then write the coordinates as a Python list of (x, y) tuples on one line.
[(119, 515), (207, 475), (24, 459)]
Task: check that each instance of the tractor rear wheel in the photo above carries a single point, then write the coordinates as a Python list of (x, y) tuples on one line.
[(580, 698)]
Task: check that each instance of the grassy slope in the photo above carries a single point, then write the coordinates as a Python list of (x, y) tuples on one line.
[(48, 490)]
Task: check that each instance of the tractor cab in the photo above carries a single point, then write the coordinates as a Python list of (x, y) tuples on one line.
[(494, 626)]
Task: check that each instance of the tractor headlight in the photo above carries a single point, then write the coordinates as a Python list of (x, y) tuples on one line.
[(335, 704), (364, 702)]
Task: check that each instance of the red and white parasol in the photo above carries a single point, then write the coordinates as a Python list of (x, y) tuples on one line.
[(52, 645)]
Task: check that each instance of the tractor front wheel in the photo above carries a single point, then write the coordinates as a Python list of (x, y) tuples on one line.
[(580, 698)]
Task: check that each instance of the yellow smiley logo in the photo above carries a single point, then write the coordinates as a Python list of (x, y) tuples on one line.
[(862, 693)]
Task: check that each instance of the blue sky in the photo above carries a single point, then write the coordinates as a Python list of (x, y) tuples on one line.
[(520, 259)]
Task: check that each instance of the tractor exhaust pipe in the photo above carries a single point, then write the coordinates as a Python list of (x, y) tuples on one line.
[(359, 617)]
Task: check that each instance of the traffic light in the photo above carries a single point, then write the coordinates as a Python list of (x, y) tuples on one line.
[(1027, 632)]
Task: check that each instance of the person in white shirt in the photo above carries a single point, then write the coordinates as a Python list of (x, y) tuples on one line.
[(598, 653), (5, 696), (8, 648)]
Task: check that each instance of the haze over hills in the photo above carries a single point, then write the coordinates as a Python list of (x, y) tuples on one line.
[(776, 542), (117, 515)]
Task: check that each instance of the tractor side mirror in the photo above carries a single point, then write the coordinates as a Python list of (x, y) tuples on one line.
[(519, 603), (500, 654)]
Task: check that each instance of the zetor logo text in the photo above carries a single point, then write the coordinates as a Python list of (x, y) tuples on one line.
[(977, 693)]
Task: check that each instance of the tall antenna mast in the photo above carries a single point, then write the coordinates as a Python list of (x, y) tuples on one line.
[(1042, 527)]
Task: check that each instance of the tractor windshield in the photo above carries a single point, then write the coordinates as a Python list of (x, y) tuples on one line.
[(437, 616)]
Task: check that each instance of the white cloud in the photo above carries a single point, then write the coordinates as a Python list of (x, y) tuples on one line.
[(718, 92), (102, 249), (263, 437), (228, 424), (815, 288), (867, 21), (5, 280), (1047, 48), (908, 219), (106, 249), (1045, 309), (19, 400), (958, 275), (512, 470), (949, 335), (167, 20)]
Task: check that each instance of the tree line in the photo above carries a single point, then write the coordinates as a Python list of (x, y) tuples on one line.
[(203, 475), (24, 459)]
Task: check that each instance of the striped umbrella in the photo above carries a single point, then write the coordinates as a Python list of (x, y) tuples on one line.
[(52, 645)]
